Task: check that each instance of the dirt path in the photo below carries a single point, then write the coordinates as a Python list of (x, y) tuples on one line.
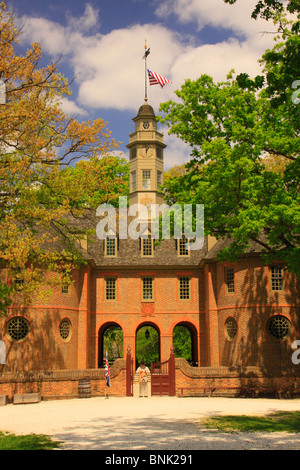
[(156, 423)]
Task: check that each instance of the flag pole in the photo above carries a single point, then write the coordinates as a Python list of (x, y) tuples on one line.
[(105, 388), (145, 56), (106, 375)]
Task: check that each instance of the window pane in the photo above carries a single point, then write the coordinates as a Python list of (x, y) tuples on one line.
[(184, 287), (279, 327), (146, 179), (132, 153), (159, 178), (133, 180), (231, 328), (65, 329), (110, 288), (159, 153), (17, 328), (183, 250), (147, 246), (110, 246), (277, 277), (65, 289), (229, 279), (147, 293)]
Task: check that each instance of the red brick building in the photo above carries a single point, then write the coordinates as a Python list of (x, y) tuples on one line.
[(243, 317)]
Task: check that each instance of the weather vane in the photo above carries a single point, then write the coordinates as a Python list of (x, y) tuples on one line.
[(147, 52)]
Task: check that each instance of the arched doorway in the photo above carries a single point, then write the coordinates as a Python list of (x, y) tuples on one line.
[(147, 344), (185, 342), (110, 339)]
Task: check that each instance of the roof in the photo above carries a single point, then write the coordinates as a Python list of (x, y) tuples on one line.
[(145, 111)]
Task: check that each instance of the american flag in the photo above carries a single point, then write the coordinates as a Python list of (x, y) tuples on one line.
[(156, 79), (107, 371)]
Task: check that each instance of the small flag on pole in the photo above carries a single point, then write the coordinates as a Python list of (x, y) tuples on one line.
[(156, 79), (107, 371), (147, 52)]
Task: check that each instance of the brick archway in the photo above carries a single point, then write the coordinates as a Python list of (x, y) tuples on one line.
[(194, 339), (101, 333), (146, 325)]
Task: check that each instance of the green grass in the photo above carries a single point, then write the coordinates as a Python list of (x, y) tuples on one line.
[(27, 442), (275, 422)]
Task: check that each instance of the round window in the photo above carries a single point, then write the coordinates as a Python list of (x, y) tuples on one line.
[(279, 327), (65, 329), (17, 328), (146, 125), (231, 328)]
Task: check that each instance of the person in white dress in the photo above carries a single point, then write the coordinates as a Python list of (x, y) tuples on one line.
[(144, 373)]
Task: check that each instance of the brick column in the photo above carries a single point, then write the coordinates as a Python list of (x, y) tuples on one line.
[(83, 321), (198, 339), (212, 330), (129, 342), (166, 343)]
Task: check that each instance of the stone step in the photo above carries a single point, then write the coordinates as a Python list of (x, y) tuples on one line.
[(3, 400), (26, 398)]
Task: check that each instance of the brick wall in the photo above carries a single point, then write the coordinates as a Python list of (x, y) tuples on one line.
[(64, 383), (189, 381), (193, 381), (252, 304), (130, 312), (205, 313)]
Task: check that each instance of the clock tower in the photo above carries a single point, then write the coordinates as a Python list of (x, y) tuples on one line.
[(146, 160)]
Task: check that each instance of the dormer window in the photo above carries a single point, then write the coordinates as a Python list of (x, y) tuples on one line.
[(111, 247), (147, 246), (182, 247)]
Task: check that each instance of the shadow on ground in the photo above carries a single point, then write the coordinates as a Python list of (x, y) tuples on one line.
[(159, 434)]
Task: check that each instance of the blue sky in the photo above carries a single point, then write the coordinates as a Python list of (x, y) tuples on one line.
[(102, 44)]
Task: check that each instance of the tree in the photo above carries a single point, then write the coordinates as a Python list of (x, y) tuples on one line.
[(271, 8), (233, 128), (113, 343), (182, 342), (147, 347), (41, 192), (5, 301)]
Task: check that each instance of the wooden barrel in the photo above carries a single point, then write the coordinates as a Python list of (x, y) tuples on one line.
[(84, 388)]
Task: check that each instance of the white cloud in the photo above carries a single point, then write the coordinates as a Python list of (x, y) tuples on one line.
[(216, 60), (51, 35), (118, 78), (248, 38), (109, 69), (71, 108), (177, 152), (87, 21), (216, 13)]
